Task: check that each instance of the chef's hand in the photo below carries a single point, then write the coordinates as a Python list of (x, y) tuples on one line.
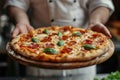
[(99, 27), (21, 28)]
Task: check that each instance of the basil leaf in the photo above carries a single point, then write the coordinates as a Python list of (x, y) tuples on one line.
[(60, 43), (59, 34), (89, 46), (77, 33), (34, 39), (50, 51), (112, 76), (46, 31)]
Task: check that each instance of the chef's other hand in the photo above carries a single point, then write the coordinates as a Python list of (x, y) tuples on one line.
[(21, 28), (99, 27)]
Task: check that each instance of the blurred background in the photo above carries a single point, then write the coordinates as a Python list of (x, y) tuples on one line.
[(12, 68)]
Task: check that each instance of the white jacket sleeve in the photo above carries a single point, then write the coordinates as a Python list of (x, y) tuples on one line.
[(92, 4), (22, 4)]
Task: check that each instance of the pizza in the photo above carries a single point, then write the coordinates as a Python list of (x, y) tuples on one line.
[(60, 44)]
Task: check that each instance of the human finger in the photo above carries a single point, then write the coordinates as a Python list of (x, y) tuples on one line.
[(15, 32), (100, 28)]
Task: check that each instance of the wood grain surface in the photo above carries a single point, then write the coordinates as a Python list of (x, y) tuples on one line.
[(49, 65)]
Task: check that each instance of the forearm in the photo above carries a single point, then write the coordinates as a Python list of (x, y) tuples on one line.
[(97, 19), (18, 15), (99, 15)]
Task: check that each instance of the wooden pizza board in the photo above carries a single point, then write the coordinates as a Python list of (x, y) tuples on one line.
[(49, 65)]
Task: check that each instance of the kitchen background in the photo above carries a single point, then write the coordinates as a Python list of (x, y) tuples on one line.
[(12, 68)]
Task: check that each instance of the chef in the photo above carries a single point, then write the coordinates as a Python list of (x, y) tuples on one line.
[(29, 14)]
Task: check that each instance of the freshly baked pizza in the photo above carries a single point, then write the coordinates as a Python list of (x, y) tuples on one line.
[(60, 44)]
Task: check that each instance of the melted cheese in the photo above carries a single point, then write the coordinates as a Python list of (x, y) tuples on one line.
[(26, 43), (66, 33), (41, 36)]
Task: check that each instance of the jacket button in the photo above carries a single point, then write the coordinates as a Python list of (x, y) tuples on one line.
[(74, 19), (50, 1), (52, 20), (74, 1)]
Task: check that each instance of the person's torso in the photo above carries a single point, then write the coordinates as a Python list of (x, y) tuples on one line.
[(59, 12)]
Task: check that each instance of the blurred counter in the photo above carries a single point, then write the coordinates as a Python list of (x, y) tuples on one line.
[(99, 76)]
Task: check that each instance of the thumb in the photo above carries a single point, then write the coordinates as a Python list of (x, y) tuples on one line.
[(29, 27), (100, 28), (90, 26), (15, 32)]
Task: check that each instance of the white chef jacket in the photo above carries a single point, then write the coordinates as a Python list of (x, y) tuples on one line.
[(61, 12)]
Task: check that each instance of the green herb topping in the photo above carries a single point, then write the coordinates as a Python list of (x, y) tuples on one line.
[(59, 34), (46, 31), (88, 46), (34, 39), (50, 51), (60, 43), (77, 33)]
